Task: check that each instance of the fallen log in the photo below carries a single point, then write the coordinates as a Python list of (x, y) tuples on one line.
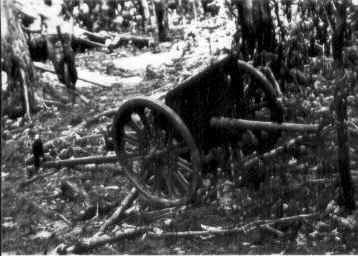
[(123, 39), (128, 200), (224, 122), (95, 36), (119, 39)]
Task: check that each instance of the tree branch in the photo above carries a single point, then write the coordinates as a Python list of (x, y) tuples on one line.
[(128, 200)]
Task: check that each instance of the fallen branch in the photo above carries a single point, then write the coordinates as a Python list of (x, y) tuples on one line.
[(89, 137), (78, 94), (108, 113), (75, 161), (72, 191), (79, 161), (273, 153), (44, 68), (50, 214), (102, 168), (26, 94), (89, 43), (27, 182), (94, 210), (127, 201), (149, 217), (242, 229), (123, 39), (94, 242), (275, 231), (53, 103), (224, 122), (48, 89)]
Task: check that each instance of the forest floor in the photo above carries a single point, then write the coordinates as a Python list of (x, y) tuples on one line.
[(39, 217)]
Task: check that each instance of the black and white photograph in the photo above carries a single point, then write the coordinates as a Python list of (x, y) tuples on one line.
[(179, 127)]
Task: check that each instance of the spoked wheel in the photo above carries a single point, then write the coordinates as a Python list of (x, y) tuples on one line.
[(260, 103), (157, 151)]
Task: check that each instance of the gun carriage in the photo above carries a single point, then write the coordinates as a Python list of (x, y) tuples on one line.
[(163, 146)]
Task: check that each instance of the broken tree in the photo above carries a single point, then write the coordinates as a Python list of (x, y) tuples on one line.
[(18, 98)]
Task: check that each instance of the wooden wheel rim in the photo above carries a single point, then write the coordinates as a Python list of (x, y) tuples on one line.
[(273, 105), (170, 118)]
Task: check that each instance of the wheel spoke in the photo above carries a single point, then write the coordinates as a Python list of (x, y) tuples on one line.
[(155, 149), (162, 139), (130, 150), (169, 183), (157, 183), (149, 128), (131, 138), (184, 164), (181, 180), (134, 122), (147, 120)]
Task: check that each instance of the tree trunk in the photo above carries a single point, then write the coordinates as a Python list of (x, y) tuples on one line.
[(257, 29), (145, 13), (19, 97), (341, 93), (161, 12)]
